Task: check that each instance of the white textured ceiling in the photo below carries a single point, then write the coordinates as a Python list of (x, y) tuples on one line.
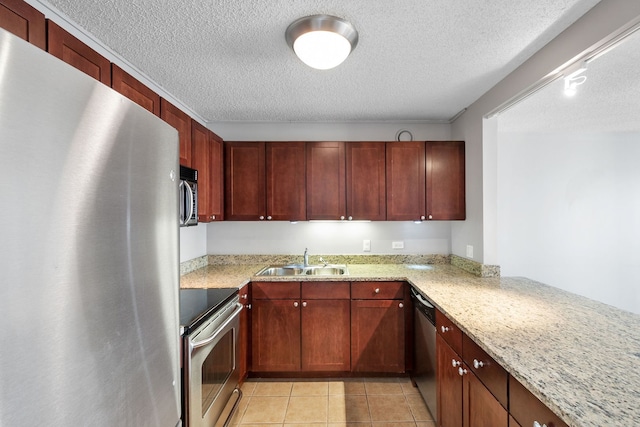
[(608, 101), (422, 60)]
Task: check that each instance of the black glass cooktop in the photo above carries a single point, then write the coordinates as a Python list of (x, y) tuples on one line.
[(197, 304)]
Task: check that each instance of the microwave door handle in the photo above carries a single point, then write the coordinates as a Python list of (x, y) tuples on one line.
[(191, 200), (182, 207), (214, 335)]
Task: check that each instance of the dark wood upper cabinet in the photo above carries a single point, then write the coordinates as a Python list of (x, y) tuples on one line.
[(24, 21), (207, 160), (182, 122), (129, 86), (244, 181), (406, 185), (366, 191), (285, 176), (265, 181), (445, 180), (68, 48), (326, 189)]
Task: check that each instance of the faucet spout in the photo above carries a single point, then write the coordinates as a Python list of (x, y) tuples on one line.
[(306, 258)]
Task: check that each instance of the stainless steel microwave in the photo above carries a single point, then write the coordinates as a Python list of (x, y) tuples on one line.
[(188, 189)]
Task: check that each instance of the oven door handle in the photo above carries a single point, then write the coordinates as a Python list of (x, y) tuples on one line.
[(214, 335)]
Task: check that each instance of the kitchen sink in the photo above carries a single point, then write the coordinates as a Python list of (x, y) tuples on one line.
[(301, 270)]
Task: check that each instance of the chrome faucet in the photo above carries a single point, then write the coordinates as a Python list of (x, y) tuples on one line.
[(306, 258)]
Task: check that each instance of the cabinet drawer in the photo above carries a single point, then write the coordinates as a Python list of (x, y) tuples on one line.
[(526, 408), (377, 290), (275, 290), (492, 375), (325, 290), (450, 332)]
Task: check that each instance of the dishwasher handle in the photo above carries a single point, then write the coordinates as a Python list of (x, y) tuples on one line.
[(424, 306)]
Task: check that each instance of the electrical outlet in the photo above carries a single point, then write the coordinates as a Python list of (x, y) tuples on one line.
[(366, 245), (397, 245), (469, 251)]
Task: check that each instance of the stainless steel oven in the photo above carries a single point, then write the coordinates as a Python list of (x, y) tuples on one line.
[(210, 368)]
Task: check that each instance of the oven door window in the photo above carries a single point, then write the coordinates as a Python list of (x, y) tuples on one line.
[(216, 369)]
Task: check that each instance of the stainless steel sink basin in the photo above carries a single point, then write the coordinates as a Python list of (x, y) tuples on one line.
[(300, 270)]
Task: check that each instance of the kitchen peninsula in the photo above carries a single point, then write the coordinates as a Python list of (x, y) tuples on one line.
[(576, 355)]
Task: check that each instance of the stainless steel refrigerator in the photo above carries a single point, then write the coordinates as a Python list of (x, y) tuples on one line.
[(89, 263)]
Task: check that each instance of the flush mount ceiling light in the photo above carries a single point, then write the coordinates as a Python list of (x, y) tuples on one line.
[(322, 41)]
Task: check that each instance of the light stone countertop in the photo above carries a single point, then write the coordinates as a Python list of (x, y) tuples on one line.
[(579, 356)]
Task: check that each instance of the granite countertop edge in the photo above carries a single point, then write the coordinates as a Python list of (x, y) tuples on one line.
[(575, 354)]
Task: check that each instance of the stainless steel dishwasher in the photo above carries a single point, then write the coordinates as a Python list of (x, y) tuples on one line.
[(426, 364)]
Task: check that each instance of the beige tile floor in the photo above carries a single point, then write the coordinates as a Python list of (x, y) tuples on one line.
[(369, 402)]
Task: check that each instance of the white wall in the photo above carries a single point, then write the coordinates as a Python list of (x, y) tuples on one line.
[(193, 242), (481, 143), (341, 131), (281, 237), (569, 212)]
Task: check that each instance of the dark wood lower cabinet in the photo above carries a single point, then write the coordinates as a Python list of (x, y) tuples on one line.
[(325, 337), (480, 407), (275, 331), (377, 336), (449, 385)]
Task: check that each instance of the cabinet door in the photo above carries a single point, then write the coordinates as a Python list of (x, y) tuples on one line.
[(377, 336), (207, 159), (445, 180), (275, 335), (366, 191), (449, 385), (406, 189), (285, 176), (244, 181), (325, 335), (326, 196), (23, 20), (244, 334), (182, 122), (74, 52), (481, 409), (125, 84)]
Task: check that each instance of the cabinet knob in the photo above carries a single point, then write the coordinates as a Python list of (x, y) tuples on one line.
[(445, 329), (462, 371), (401, 305), (269, 218), (342, 217), (477, 364), (304, 304), (537, 424), (377, 291), (295, 304), (455, 363), (261, 217)]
